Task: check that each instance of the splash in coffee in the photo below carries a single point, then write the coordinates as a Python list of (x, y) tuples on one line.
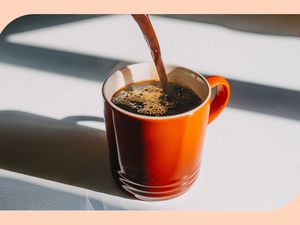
[(147, 98)]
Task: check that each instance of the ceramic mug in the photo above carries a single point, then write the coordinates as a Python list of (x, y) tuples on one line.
[(157, 158)]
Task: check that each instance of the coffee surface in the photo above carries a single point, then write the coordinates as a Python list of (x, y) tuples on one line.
[(148, 98)]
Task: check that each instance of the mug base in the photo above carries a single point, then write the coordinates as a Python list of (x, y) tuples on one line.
[(154, 193)]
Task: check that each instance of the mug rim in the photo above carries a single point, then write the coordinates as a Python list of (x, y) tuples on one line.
[(143, 117)]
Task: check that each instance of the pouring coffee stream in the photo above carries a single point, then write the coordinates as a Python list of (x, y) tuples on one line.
[(146, 27)]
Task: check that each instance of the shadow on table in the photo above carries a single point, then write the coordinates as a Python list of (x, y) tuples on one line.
[(56, 150), (23, 194), (89, 67), (274, 101), (33, 22), (279, 25), (18, 194)]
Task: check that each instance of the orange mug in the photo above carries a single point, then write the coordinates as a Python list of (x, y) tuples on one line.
[(157, 158)]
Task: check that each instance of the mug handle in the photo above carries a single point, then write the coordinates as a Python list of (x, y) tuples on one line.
[(221, 98)]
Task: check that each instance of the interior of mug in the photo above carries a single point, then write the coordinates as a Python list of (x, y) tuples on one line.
[(147, 71)]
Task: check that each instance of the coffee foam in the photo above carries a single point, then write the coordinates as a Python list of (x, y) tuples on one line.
[(145, 100)]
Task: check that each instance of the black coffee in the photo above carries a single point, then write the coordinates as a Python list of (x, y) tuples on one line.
[(148, 98)]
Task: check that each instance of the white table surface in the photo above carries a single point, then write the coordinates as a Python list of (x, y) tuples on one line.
[(51, 78)]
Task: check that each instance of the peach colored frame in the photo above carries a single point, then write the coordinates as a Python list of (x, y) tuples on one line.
[(12, 9)]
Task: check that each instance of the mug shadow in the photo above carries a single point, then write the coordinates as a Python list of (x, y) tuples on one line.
[(56, 150)]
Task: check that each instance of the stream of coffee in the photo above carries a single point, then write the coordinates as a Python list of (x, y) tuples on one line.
[(146, 27)]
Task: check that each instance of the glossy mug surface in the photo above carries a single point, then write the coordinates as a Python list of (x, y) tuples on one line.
[(157, 158)]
